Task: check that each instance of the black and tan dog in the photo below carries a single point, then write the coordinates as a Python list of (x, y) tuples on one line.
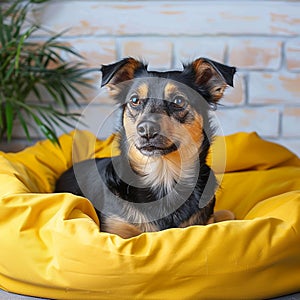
[(161, 179)]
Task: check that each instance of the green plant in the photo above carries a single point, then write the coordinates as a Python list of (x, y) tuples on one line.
[(26, 67)]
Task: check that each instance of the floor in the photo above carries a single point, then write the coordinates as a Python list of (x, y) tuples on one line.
[(9, 296)]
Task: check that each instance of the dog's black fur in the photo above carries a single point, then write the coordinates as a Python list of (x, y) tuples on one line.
[(129, 192)]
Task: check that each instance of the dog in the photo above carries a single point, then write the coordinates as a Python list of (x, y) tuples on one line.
[(161, 179)]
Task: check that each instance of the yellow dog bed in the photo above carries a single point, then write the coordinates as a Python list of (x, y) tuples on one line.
[(51, 245)]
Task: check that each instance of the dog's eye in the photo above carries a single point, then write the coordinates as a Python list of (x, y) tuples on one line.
[(134, 100), (179, 102)]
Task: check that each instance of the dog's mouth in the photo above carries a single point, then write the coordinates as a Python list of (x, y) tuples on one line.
[(153, 150)]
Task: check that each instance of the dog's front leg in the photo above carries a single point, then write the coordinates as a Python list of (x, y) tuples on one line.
[(221, 215), (120, 227)]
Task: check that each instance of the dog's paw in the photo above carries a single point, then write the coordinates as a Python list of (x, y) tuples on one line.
[(221, 215), (119, 227)]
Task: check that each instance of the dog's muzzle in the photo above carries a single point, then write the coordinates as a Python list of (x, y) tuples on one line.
[(148, 129), (151, 141)]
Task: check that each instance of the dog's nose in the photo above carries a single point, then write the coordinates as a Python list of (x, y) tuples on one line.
[(148, 129)]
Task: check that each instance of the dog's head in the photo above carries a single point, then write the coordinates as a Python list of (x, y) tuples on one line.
[(166, 112)]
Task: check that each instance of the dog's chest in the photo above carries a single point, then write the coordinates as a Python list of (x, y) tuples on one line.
[(161, 175)]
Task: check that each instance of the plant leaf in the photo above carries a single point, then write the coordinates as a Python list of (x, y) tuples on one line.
[(24, 125), (37, 93), (9, 117), (20, 45), (63, 118), (27, 65), (11, 9), (9, 72), (49, 133), (1, 117), (38, 1)]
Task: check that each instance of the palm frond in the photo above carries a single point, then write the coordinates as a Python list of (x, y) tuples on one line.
[(26, 66)]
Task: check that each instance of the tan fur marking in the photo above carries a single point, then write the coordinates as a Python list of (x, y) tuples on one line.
[(119, 227), (218, 92), (195, 219), (200, 65), (130, 127), (147, 227), (195, 129), (113, 90), (116, 225), (123, 74), (167, 169), (142, 91), (191, 138), (126, 72), (221, 215), (207, 76), (170, 89)]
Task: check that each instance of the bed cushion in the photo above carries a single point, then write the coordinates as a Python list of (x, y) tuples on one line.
[(52, 245)]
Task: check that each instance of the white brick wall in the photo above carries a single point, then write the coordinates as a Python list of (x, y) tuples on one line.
[(293, 54), (261, 38)]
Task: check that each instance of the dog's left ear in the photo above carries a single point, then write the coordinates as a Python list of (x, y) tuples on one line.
[(120, 71), (212, 77)]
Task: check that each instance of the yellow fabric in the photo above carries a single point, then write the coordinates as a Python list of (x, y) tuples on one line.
[(51, 245)]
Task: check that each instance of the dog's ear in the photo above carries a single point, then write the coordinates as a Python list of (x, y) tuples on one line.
[(212, 77), (120, 71)]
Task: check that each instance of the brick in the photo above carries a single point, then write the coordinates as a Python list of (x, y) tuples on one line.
[(237, 95), (95, 117), (99, 119), (258, 53), (155, 51), (93, 92), (290, 122), (101, 96), (188, 49), (89, 93), (265, 88), (96, 51), (18, 132), (171, 18), (244, 34), (263, 120), (292, 53)]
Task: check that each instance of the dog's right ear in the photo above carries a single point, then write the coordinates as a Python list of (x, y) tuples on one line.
[(211, 77), (120, 71)]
